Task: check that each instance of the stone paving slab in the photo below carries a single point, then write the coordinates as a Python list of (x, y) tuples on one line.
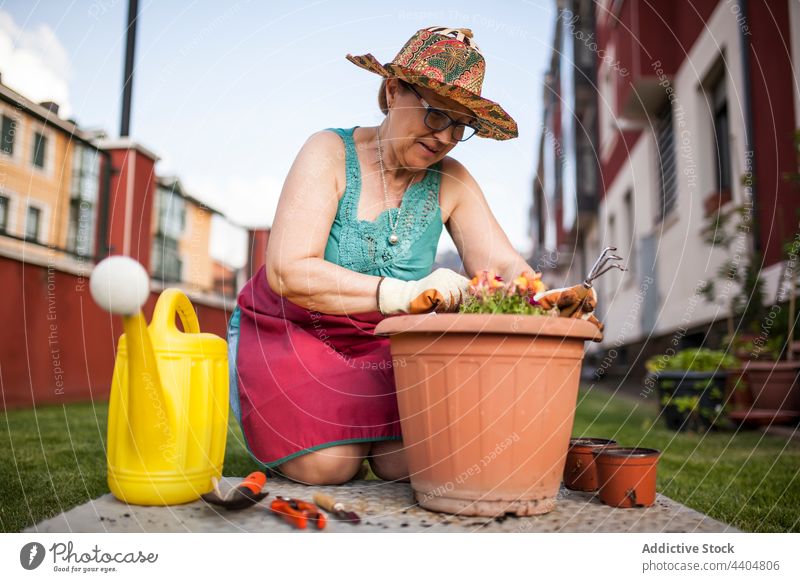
[(383, 507)]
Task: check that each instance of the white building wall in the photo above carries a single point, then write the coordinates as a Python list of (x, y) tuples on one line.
[(683, 259), (617, 291)]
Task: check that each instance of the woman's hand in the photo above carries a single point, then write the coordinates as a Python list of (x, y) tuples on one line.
[(442, 290)]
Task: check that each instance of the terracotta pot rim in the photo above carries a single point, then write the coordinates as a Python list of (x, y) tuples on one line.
[(770, 365), (626, 452), (771, 414), (590, 442), (501, 323)]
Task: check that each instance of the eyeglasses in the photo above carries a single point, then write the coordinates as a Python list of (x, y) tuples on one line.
[(438, 120)]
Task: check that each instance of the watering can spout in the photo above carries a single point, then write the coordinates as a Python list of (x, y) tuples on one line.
[(121, 285), (151, 428)]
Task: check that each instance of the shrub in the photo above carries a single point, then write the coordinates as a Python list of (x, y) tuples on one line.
[(692, 360)]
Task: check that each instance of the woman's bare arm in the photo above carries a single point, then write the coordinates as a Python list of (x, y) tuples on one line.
[(296, 268), (479, 238)]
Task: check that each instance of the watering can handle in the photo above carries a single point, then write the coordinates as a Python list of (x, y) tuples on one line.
[(170, 302)]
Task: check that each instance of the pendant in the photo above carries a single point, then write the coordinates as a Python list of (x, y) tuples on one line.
[(393, 239)]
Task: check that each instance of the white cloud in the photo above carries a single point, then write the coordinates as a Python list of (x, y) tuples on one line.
[(228, 242), (35, 63)]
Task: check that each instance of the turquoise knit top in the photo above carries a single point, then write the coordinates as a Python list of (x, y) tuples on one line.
[(363, 245)]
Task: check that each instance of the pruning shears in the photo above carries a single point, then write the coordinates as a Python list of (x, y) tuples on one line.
[(297, 512)]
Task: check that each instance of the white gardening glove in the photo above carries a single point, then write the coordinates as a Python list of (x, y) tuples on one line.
[(442, 290)]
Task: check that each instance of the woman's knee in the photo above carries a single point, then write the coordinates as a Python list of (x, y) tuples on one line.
[(329, 466), (387, 459)]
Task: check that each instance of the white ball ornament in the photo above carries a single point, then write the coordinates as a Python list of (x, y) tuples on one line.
[(119, 284)]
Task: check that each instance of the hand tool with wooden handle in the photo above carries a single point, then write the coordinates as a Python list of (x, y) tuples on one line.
[(335, 508)]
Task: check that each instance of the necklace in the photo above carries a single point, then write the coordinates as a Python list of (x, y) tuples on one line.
[(393, 238)]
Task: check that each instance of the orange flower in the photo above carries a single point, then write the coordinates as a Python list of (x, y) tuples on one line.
[(528, 283), (485, 283)]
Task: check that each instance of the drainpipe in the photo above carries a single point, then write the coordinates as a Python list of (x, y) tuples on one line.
[(748, 123)]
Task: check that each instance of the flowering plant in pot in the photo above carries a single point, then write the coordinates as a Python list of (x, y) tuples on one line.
[(488, 293), (487, 397), (691, 386)]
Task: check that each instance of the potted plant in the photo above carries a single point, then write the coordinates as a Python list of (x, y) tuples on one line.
[(770, 370), (770, 381), (691, 386), (487, 397), (759, 335)]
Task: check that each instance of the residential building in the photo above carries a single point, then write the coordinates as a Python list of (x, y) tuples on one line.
[(51, 181), (69, 197), (566, 185), (697, 111)]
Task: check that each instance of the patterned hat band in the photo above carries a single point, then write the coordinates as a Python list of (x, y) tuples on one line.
[(448, 62), (460, 34)]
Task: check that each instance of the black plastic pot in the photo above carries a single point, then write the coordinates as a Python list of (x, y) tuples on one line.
[(691, 400)]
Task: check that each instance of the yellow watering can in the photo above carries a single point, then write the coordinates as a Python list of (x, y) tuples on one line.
[(168, 410)]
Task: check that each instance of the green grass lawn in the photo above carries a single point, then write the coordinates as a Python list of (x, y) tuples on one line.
[(53, 458), (745, 478)]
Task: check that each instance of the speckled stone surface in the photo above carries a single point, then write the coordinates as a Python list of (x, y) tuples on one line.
[(382, 506)]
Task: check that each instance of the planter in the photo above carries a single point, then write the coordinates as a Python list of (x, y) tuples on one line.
[(737, 392), (691, 400), (627, 476), (756, 417), (773, 385), (486, 407), (580, 473)]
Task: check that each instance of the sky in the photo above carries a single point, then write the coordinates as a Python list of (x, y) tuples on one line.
[(226, 93)]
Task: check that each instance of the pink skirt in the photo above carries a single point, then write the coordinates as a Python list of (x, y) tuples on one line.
[(301, 380)]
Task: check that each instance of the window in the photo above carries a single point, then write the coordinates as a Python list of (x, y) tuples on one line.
[(5, 209), (39, 149), (171, 217), (167, 264), (631, 231), (719, 104), (84, 193), (9, 129), (32, 220), (667, 170), (612, 231), (171, 212)]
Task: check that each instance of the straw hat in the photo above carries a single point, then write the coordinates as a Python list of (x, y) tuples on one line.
[(447, 61)]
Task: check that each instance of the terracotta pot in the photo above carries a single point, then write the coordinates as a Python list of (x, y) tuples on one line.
[(580, 474), (737, 395), (627, 476), (773, 385), (486, 407), (756, 417)]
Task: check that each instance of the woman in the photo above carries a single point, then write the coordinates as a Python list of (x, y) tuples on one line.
[(353, 241)]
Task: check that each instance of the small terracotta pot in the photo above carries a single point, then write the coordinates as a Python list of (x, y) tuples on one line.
[(627, 475), (580, 473)]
